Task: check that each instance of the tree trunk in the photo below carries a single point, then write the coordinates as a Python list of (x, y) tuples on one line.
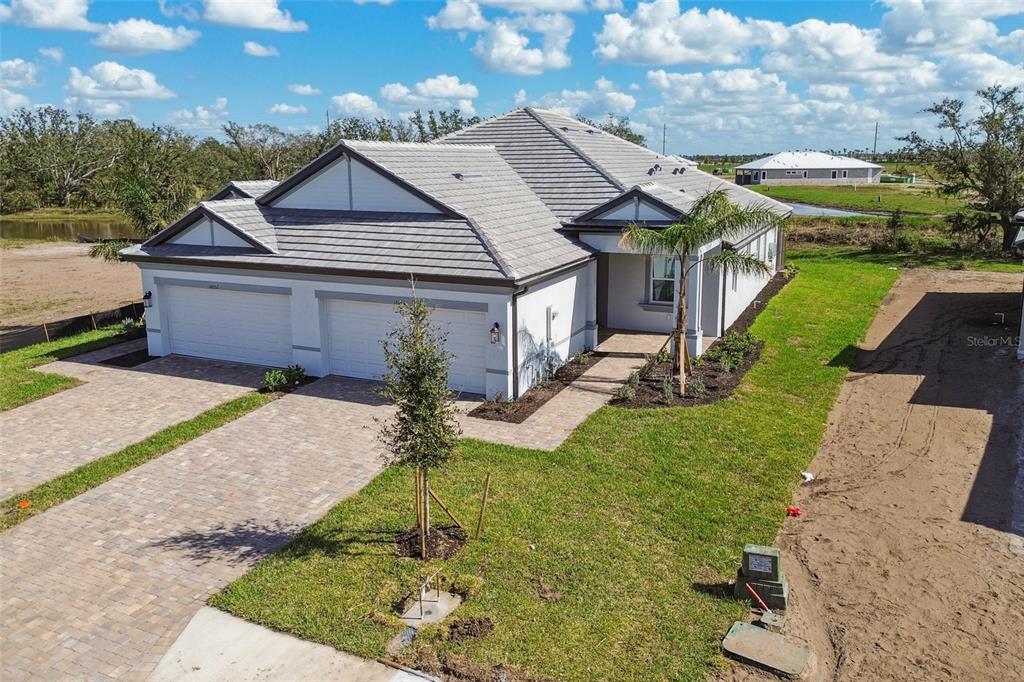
[(1009, 230), (681, 362), (426, 503)]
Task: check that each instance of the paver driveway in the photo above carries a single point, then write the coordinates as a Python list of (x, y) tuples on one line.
[(100, 586), (114, 407)]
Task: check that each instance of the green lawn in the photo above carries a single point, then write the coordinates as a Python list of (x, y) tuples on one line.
[(635, 522), (20, 385), (874, 197), (943, 260), (88, 476)]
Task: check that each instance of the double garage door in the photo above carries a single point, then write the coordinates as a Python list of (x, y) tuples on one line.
[(256, 328)]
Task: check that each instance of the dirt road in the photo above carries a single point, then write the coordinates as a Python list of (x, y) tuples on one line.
[(46, 282), (908, 561)]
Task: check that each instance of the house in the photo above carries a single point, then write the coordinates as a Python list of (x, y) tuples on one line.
[(509, 228), (807, 168)]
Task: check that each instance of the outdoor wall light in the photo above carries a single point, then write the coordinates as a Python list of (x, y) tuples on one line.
[(147, 299), (495, 333)]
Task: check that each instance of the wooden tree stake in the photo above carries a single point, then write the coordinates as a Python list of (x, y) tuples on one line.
[(446, 510), (483, 507)]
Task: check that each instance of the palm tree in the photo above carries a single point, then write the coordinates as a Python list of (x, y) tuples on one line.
[(711, 217)]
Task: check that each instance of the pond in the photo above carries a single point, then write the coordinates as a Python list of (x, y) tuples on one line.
[(64, 229), (807, 209)]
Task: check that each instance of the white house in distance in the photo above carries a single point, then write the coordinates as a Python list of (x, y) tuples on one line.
[(807, 168), (510, 229)]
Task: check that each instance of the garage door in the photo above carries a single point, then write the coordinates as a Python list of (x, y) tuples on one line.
[(241, 326), (355, 330)]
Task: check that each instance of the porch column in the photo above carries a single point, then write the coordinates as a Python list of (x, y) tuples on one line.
[(694, 299), (590, 335)]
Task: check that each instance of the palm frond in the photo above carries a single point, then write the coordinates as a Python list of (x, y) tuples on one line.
[(645, 240), (743, 263)]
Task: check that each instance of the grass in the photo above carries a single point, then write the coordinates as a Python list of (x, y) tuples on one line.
[(874, 197), (20, 385), (88, 476), (951, 260), (7, 243), (62, 214), (637, 521)]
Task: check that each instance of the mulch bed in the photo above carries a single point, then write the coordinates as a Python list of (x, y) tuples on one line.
[(288, 388), (717, 383), (443, 542), (517, 411)]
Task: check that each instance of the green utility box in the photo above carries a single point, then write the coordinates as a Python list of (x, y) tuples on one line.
[(762, 568)]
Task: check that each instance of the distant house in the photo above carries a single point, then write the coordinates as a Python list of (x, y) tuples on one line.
[(807, 168)]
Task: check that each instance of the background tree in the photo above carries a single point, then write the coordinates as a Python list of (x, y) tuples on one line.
[(425, 429), (712, 217), (983, 159), (61, 151), (617, 126)]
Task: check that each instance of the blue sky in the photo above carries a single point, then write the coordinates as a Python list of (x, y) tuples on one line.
[(723, 77)]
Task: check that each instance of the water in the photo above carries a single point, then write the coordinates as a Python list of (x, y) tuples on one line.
[(807, 209), (65, 230)]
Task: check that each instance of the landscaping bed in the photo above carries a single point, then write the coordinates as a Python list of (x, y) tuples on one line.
[(714, 375), (584, 548), (517, 411)]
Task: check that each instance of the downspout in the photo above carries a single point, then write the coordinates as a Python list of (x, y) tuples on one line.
[(515, 340)]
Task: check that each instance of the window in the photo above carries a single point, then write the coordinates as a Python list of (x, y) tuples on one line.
[(844, 174), (835, 174), (805, 174), (663, 279), (764, 175)]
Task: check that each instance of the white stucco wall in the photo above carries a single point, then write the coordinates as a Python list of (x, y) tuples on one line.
[(740, 290), (348, 184), (627, 297), (308, 331), (570, 300)]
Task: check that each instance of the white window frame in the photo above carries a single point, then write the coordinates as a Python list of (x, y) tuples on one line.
[(844, 175), (651, 279), (835, 175)]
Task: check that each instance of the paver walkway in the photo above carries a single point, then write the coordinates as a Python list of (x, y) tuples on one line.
[(101, 586), (548, 427), (114, 407)]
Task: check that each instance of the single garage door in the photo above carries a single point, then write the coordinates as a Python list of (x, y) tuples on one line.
[(355, 330), (241, 326)]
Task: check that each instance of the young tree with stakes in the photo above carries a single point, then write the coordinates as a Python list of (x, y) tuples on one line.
[(424, 430), (712, 217)]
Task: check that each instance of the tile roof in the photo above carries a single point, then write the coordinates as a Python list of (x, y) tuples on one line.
[(244, 189), (805, 160), (598, 159), (477, 182), (397, 243)]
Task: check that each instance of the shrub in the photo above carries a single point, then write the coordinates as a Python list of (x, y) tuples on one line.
[(730, 351), (634, 380), (626, 392), (129, 324), (790, 271), (294, 374), (696, 387), (666, 389), (274, 380)]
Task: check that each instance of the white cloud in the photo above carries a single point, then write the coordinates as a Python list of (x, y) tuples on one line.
[(660, 33), (356, 104), (9, 101), (54, 53), (972, 71), (827, 91), (137, 36), (201, 118), (110, 80), (531, 6), (604, 98), (606, 5), (263, 14), (718, 87), (440, 92), (458, 15), (66, 15), (1012, 43), (505, 48), (254, 49), (941, 26), (173, 9), (520, 97), (301, 89), (286, 109), (17, 73)]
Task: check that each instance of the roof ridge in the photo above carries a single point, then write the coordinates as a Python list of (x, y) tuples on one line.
[(579, 152), (432, 144), (478, 124)]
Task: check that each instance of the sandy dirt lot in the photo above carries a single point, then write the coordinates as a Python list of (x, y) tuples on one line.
[(47, 282), (908, 561)]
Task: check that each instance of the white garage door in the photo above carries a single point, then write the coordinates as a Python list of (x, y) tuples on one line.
[(241, 326), (355, 330)]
